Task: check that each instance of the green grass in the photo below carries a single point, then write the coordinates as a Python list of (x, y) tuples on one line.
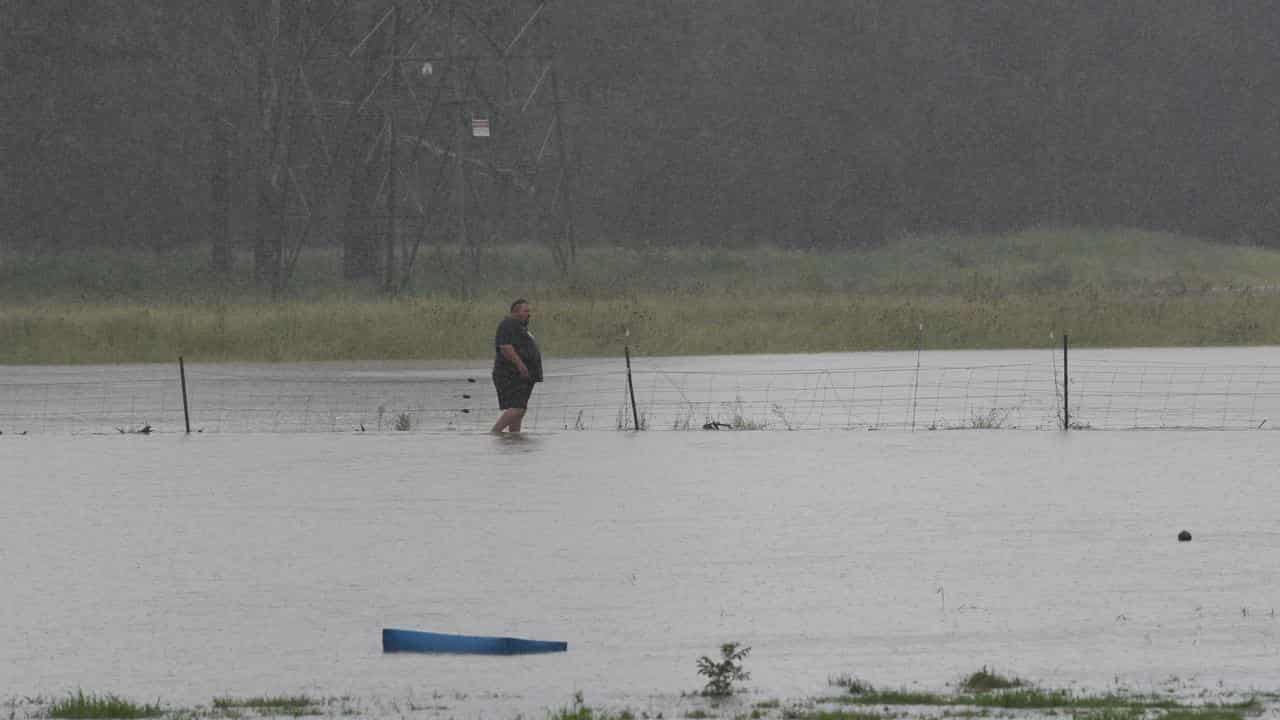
[(1105, 288), (81, 705)]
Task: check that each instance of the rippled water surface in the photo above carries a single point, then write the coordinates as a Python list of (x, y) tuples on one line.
[(187, 567), (1113, 389)]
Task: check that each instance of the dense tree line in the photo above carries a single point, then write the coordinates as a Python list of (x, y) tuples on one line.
[(814, 123)]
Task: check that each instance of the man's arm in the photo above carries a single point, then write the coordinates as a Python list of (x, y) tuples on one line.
[(509, 352)]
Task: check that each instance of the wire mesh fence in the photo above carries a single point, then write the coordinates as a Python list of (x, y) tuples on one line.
[(873, 391)]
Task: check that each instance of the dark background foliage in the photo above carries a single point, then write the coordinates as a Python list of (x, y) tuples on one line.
[(809, 123)]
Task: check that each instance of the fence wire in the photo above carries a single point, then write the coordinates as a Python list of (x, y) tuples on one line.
[(593, 395)]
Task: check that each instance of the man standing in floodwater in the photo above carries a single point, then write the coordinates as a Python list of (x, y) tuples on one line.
[(517, 365)]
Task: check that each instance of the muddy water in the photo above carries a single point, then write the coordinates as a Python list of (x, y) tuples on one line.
[(1207, 388), (182, 568)]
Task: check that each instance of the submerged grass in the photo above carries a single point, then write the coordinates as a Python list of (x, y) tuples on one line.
[(1211, 712), (988, 690), (81, 705), (271, 702), (1033, 698), (1015, 699), (1104, 287), (872, 696), (1009, 700), (584, 712), (1125, 713), (294, 705), (834, 715), (1206, 713), (985, 680), (854, 685)]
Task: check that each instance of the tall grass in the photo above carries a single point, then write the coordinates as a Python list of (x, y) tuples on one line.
[(1105, 288), (655, 324)]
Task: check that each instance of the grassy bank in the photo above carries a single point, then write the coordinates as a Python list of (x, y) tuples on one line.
[(658, 324), (1114, 288)]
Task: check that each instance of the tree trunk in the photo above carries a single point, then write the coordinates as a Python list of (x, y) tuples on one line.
[(362, 226), (277, 80), (220, 194)]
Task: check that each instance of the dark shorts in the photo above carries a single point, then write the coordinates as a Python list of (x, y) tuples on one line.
[(513, 391)]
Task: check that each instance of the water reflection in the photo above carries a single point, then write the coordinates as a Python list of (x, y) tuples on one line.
[(1211, 388), (521, 442)]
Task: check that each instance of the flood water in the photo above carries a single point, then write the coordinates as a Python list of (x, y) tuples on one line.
[(1113, 389), (188, 567)]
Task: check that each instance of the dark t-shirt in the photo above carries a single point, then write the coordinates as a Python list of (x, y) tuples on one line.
[(516, 334)]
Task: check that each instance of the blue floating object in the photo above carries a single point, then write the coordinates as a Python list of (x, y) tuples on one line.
[(394, 640)]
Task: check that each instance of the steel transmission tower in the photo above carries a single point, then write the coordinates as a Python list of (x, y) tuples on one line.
[(429, 125)]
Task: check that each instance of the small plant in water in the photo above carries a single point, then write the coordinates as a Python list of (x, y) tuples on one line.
[(101, 706), (850, 683), (722, 674), (738, 419), (274, 702), (580, 711), (985, 680), (404, 422), (992, 420), (781, 414), (291, 705), (142, 430)]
